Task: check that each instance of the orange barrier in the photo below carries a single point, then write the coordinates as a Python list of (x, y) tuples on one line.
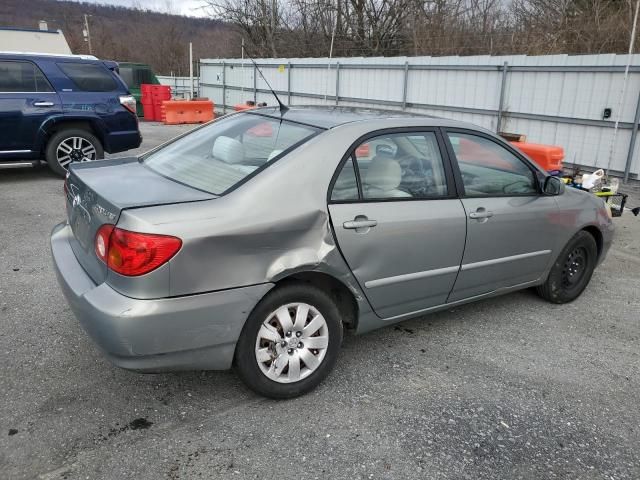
[(363, 151), (261, 130), (239, 107), (175, 112), (549, 157)]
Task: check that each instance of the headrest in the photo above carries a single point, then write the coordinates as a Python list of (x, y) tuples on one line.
[(228, 150), (384, 173)]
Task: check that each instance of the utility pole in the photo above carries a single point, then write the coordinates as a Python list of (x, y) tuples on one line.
[(274, 8), (87, 33), (190, 71)]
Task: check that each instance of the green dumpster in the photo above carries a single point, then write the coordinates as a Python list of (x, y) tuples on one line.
[(134, 75)]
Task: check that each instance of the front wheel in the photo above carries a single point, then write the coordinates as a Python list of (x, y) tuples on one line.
[(72, 145), (572, 270), (290, 342)]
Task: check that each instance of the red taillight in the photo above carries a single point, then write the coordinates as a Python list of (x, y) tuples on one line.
[(102, 241), (132, 253)]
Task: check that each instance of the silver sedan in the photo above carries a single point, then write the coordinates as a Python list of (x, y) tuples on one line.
[(256, 240)]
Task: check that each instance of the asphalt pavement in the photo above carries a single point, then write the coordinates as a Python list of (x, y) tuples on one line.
[(507, 388)]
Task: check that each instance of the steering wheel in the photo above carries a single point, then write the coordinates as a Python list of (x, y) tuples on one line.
[(416, 179), (468, 178)]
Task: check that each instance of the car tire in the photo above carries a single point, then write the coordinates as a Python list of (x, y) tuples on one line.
[(70, 146), (279, 365), (572, 270)]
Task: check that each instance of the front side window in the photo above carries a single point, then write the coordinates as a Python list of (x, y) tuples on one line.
[(489, 169), (398, 166), (89, 77), (22, 77), (219, 156)]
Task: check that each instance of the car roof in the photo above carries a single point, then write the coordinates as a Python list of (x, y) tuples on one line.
[(330, 117), (30, 55)]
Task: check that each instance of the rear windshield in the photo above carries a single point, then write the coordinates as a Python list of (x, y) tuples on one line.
[(219, 156), (89, 77)]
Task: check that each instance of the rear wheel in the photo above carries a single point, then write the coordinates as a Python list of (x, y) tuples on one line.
[(572, 270), (70, 146), (290, 341)]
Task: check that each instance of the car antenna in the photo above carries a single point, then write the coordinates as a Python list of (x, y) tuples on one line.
[(283, 107)]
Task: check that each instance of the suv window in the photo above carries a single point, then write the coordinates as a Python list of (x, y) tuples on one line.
[(400, 166), (89, 77), (22, 77), (488, 169)]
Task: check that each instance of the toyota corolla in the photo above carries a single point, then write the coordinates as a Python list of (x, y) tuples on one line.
[(255, 240)]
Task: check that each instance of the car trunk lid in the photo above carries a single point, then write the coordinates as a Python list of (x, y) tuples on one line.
[(97, 192)]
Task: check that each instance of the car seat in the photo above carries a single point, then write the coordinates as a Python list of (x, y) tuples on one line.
[(383, 178)]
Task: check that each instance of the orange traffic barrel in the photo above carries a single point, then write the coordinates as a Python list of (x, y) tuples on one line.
[(147, 109)]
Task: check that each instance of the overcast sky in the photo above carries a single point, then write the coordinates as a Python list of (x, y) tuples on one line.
[(178, 7)]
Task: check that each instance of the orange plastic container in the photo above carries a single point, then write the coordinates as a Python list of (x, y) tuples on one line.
[(147, 109), (363, 150), (549, 157), (175, 112), (239, 107)]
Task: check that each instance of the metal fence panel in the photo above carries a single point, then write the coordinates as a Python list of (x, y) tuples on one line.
[(553, 99), (179, 85)]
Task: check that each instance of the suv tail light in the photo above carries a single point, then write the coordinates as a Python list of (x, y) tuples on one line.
[(128, 102), (132, 253)]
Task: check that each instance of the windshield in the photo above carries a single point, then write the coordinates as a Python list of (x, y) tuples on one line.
[(219, 156)]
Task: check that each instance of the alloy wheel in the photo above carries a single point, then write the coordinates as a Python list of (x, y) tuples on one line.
[(292, 343), (75, 149)]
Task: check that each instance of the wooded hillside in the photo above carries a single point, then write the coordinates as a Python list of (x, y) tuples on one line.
[(124, 34), (292, 28), (304, 28)]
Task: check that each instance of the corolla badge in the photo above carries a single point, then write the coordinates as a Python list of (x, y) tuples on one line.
[(100, 210)]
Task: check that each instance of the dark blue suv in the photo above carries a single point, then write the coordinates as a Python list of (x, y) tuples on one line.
[(63, 108)]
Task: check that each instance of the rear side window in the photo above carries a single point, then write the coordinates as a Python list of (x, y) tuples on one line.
[(398, 166), (89, 77), (22, 77)]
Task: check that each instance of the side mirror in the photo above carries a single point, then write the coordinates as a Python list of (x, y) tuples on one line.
[(553, 186)]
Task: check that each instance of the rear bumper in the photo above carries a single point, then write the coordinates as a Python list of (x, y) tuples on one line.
[(115, 142), (180, 333)]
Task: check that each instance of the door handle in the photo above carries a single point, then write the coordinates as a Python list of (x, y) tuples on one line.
[(481, 213), (359, 222), (43, 104)]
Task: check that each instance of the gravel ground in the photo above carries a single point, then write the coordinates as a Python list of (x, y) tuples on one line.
[(508, 388)]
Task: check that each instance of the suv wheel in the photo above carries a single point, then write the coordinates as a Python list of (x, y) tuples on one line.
[(572, 270), (70, 146), (290, 342)]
